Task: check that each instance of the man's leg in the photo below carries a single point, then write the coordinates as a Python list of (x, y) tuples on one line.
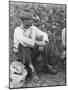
[(28, 58), (25, 55), (21, 54), (30, 63), (47, 65), (45, 55)]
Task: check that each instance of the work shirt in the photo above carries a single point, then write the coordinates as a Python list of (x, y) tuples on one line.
[(27, 37)]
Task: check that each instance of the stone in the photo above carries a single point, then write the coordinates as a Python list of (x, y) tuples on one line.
[(17, 74)]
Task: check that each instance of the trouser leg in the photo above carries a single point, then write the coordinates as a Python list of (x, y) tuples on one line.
[(25, 56), (45, 57), (29, 59), (47, 67), (21, 54), (44, 54), (35, 54), (29, 62)]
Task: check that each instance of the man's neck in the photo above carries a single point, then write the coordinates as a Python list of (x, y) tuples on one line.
[(23, 28)]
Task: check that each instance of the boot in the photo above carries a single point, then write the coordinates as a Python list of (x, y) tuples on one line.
[(35, 79), (34, 75)]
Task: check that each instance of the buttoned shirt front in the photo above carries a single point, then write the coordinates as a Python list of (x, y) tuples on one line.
[(27, 37)]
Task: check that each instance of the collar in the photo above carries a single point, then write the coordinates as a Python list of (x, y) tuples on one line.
[(23, 28)]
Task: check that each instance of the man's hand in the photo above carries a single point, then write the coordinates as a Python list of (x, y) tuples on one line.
[(43, 43)]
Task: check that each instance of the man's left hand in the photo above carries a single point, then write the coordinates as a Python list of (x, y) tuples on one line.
[(43, 43)]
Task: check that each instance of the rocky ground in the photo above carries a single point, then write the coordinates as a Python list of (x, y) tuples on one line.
[(47, 80)]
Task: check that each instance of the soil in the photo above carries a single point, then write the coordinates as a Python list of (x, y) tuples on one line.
[(47, 80)]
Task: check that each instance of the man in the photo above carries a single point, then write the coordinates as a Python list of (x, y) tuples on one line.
[(25, 39)]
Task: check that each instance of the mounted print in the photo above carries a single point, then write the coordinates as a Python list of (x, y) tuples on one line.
[(37, 44)]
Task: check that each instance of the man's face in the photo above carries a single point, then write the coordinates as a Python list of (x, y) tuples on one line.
[(26, 24)]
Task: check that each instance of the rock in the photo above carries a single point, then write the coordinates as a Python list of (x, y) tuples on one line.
[(17, 74)]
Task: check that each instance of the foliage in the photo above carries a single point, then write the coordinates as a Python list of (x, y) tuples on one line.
[(52, 16)]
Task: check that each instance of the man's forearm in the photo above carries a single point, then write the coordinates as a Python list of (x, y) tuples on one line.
[(26, 41)]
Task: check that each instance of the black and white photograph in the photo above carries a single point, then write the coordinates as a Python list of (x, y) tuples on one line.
[(37, 44)]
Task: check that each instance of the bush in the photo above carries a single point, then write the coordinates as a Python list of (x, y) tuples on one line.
[(52, 16)]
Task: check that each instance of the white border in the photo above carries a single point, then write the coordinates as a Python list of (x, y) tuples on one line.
[(4, 47)]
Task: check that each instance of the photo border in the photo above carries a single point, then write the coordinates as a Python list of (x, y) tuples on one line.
[(65, 38)]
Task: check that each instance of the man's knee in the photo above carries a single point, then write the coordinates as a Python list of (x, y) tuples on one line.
[(41, 48)]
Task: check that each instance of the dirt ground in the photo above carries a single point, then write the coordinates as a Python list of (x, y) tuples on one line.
[(47, 80)]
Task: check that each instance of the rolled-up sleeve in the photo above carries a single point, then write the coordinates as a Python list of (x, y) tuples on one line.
[(44, 34), (26, 41), (45, 37)]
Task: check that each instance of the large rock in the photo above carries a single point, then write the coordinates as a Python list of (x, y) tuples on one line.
[(17, 74)]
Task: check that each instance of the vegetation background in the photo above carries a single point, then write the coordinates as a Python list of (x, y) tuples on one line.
[(53, 16)]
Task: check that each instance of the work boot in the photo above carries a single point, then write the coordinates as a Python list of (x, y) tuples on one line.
[(35, 79), (34, 76), (50, 69), (33, 73)]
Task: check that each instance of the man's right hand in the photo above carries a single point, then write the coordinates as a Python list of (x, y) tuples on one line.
[(43, 43)]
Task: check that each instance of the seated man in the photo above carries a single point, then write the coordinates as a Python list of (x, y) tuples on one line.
[(25, 40)]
